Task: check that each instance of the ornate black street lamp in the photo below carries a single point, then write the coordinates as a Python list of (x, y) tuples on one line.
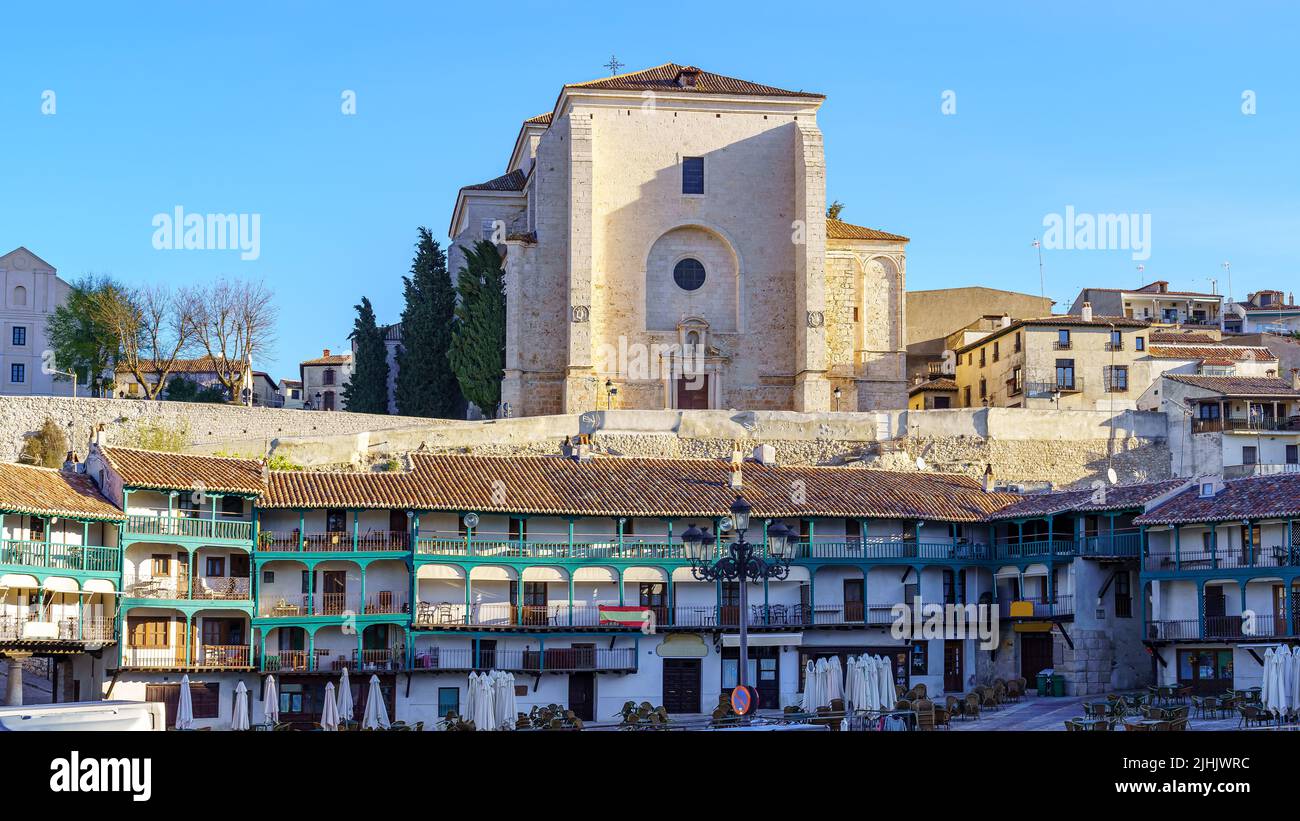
[(743, 563)]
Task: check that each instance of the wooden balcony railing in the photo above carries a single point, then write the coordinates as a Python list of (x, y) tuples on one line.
[(338, 541), (560, 659), (55, 556), (229, 530)]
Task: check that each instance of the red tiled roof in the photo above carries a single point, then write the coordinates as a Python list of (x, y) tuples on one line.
[(838, 229), (203, 364), (1181, 338), (1229, 353), (540, 119), (1057, 321), (1114, 498), (39, 491), (943, 383), (332, 359), (664, 78), (514, 181), (615, 486), (1237, 385), (1260, 497), (184, 471)]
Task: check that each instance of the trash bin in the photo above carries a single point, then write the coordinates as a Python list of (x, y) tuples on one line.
[(1043, 683), (1058, 685)]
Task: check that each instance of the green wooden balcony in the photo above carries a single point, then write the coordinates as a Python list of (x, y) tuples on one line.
[(211, 530), (55, 556)]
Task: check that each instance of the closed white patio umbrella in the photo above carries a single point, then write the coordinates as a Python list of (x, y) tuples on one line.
[(834, 679), (505, 701), (185, 709), (484, 704), (823, 683), (888, 696), (471, 697), (376, 712), (329, 713), (809, 682), (270, 701), (850, 683), (239, 718), (1266, 681), (1286, 677), (1294, 697), (345, 697)]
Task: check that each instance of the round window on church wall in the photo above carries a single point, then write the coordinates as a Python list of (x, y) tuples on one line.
[(688, 274)]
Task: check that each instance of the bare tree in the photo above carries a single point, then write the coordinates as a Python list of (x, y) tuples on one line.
[(234, 321), (155, 327)]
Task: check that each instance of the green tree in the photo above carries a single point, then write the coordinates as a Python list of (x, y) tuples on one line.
[(47, 447), (181, 389), (426, 385), (833, 210), (367, 390), (478, 339), (82, 341)]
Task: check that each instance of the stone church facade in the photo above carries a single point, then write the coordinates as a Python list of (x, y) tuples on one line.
[(664, 235)]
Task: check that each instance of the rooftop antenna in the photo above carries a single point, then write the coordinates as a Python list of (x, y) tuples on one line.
[(1214, 285), (1227, 266), (1042, 287), (1141, 268)]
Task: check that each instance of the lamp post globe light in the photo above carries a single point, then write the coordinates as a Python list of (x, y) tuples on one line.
[(743, 562)]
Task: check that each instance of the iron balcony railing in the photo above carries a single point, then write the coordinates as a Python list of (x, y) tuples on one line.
[(1226, 558), (337, 541), (214, 588), (1235, 424), (1263, 625), (56, 556), (229, 530), (69, 628), (559, 659), (300, 605), (1037, 548), (1043, 608), (210, 656), (877, 549), (514, 549), (1120, 544)]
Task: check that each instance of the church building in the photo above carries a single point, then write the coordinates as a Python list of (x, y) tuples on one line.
[(666, 246)]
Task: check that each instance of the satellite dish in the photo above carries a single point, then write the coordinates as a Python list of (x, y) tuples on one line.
[(1111, 475), (471, 520), (920, 463)]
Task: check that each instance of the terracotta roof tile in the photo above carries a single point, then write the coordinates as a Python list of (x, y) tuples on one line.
[(50, 492), (332, 359), (1181, 338), (1237, 385), (514, 181), (665, 78), (1116, 498), (184, 471), (1230, 353), (540, 119), (1258, 497), (838, 229), (614, 486), (943, 383), (203, 364)]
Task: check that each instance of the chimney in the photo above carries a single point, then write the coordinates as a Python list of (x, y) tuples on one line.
[(988, 478), (1087, 312), (1295, 378), (687, 77), (1006, 320), (70, 462), (326, 353), (765, 455)]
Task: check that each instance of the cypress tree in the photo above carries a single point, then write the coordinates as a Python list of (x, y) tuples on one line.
[(367, 390), (426, 385), (478, 340)]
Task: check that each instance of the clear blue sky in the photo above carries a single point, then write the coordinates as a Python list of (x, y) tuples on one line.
[(235, 107)]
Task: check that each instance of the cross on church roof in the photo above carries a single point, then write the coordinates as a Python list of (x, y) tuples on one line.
[(613, 65)]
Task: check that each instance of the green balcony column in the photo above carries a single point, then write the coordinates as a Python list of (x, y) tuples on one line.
[(670, 539), (468, 581), (1178, 545), (1051, 536), (619, 524), (1250, 542), (570, 598), (415, 532), (212, 500), (1214, 545), (189, 644), (48, 528), (253, 519), (190, 583), (1290, 541), (356, 530), (519, 601), (361, 605), (85, 543), (311, 649), (302, 530), (261, 657), (1051, 581), (1200, 608), (812, 596), (570, 551), (620, 587)]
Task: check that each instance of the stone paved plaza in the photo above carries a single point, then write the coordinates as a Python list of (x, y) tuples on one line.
[(1043, 713)]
